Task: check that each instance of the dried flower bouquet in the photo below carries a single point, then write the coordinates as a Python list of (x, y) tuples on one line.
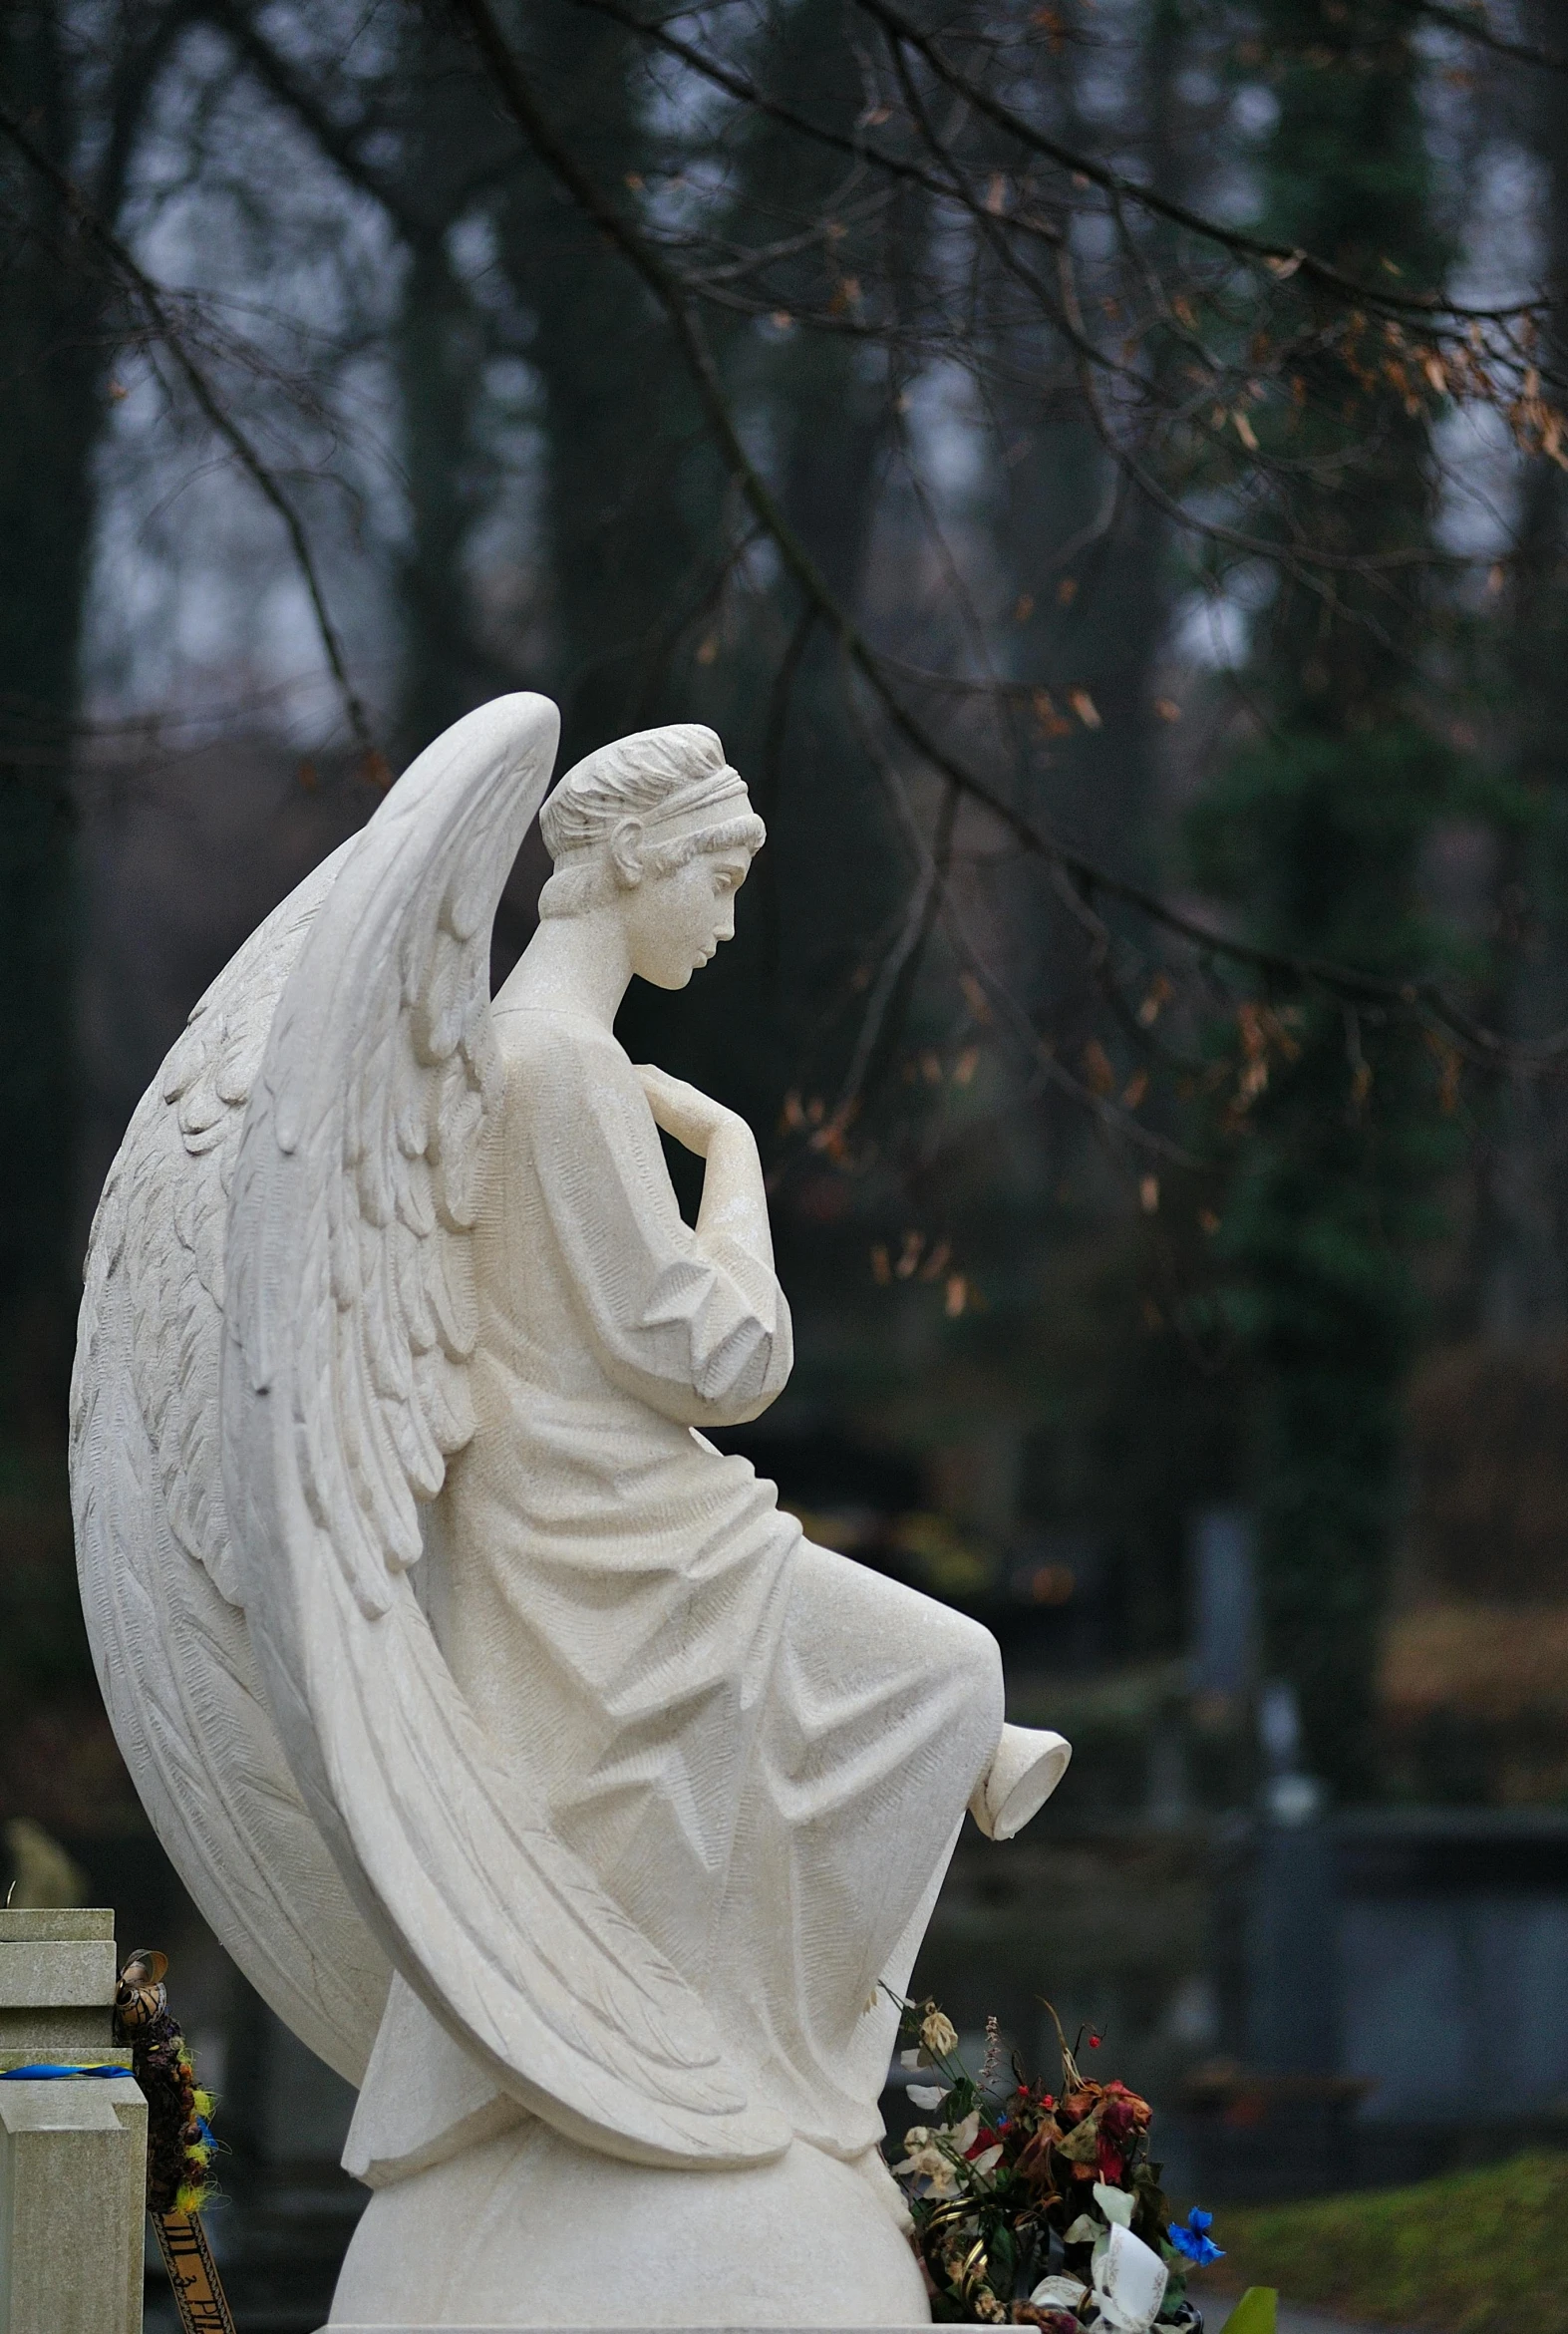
[(1038, 2208)]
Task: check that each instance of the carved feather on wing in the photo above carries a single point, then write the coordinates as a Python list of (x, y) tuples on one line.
[(160, 1585), (351, 1314)]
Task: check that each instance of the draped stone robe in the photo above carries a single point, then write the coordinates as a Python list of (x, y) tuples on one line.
[(761, 1749)]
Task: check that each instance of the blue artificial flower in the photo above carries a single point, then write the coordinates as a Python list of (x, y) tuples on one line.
[(1193, 2238)]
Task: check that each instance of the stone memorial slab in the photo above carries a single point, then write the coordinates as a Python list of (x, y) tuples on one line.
[(73, 2149)]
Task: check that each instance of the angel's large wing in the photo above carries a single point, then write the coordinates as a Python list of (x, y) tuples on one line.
[(158, 1579), (351, 1312)]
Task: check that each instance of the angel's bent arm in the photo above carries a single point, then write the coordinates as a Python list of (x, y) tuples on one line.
[(735, 1198), (692, 1322)]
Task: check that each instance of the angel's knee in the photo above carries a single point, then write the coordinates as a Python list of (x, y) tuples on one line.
[(969, 1661)]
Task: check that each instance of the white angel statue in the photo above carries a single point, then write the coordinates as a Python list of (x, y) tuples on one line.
[(525, 1755)]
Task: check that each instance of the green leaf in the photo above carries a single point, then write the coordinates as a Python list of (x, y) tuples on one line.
[(1082, 2145), (1257, 2312)]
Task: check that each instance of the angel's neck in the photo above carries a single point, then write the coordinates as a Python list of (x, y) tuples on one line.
[(573, 965)]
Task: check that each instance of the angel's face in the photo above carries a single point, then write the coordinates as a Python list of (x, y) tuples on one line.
[(674, 922)]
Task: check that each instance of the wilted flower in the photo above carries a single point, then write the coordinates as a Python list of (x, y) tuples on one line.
[(1193, 2238), (925, 2161), (1034, 2164), (939, 2034), (1119, 2120), (930, 2155), (1141, 2113)]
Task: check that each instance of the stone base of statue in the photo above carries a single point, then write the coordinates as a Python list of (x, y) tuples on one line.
[(530, 2230)]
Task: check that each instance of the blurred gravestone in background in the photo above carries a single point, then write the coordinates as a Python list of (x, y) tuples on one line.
[(1475, 1664)]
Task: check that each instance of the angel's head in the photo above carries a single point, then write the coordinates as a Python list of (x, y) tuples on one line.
[(658, 831)]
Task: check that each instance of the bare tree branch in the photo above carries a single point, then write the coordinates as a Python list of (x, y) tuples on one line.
[(1346, 287), (150, 303), (741, 86), (1474, 27), (1423, 1000)]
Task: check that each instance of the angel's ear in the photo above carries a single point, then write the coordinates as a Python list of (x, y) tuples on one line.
[(626, 853)]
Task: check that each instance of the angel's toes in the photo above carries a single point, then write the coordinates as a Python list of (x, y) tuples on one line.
[(1025, 1770)]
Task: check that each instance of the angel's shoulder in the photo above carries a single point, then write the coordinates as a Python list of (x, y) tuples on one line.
[(545, 1051)]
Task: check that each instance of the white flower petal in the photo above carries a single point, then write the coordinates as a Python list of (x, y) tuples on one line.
[(919, 2094), (987, 2160)]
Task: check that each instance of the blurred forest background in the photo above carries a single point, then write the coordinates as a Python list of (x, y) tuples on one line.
[(1101, 468)]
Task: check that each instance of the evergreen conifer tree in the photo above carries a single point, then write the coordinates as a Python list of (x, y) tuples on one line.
[(1316, 831)]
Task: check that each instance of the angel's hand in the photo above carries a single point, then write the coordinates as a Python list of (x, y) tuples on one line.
[(692, 1117)]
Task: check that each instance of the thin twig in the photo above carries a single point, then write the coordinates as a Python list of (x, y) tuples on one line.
[(1417, 997), (1164, 206), (151, 301), (1476, 28)]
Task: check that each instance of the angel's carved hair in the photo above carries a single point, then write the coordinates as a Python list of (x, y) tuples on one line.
[(659, 776)]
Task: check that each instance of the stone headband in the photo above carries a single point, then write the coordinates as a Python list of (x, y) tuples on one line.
[(710, 791)]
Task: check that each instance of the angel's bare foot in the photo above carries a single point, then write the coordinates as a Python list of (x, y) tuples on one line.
[(1025, 1770)]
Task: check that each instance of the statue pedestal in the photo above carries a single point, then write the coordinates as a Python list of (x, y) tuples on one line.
[(531, 2230), (72, 2155)]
